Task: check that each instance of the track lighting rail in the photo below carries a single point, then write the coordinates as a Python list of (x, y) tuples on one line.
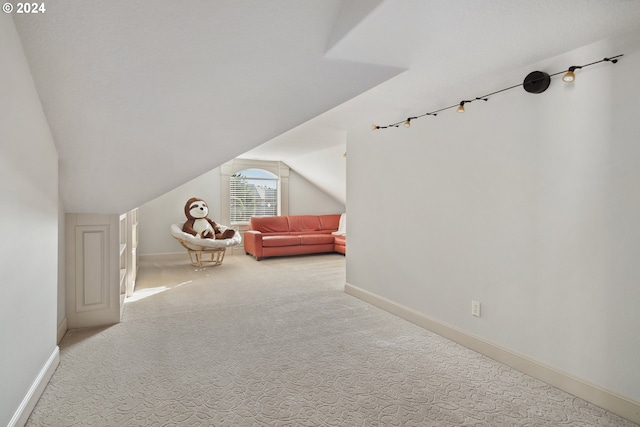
[(535, 82)]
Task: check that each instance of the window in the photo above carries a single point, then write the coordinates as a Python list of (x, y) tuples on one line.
[(253, 192), (254, 172)]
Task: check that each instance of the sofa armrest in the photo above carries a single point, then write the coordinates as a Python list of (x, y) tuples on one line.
[(253, 243)]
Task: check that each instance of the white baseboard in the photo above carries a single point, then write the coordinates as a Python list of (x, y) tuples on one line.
[(181, 256), (62, 329), (236, 250), (605, 399), (165, 257), (21, 416)]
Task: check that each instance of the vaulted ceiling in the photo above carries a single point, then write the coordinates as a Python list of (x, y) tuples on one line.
[(143, 95)]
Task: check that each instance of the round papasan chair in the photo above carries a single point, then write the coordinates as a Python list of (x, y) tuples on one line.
[(204, 252)]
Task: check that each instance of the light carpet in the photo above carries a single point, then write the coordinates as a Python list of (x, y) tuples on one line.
[(278, 343)]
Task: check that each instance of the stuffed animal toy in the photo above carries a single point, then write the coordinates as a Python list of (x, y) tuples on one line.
[(199, 225)]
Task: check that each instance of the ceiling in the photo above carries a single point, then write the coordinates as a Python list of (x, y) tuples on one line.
[(143, 96)]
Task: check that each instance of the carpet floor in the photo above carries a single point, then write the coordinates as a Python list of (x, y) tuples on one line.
[(279, 343)]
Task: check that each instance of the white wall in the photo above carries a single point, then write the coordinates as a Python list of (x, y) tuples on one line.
[(28, 226), (306, 198), (527, 203), (156, 216), (62, 307)]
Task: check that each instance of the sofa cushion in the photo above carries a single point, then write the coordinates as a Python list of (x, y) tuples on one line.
[(316, 239), (330, 222), (271, 241), (269, 224), (304, 223)]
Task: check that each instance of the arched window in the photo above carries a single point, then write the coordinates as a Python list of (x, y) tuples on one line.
[(252, 192), (252, 174)]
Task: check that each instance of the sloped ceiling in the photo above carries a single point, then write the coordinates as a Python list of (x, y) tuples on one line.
[(142, 96)]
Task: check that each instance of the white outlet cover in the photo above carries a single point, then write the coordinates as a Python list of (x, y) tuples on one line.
[(475, 308)]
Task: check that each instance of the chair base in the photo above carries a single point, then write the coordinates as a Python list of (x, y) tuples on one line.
[(206, 257), (204, 252)]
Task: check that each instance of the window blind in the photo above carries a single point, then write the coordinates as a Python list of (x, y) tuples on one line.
[(253, 193)]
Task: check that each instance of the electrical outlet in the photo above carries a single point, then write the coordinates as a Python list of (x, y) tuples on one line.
[(475, 308)]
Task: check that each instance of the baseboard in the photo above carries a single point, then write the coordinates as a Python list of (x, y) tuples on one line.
[(165, 257), (181, 256), (605, 399), (62, 329), (21, 416), (236, 250)]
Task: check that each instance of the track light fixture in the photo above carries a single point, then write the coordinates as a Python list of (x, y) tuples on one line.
[(407, 123), (570, 76), (460, 108), (535, 82)]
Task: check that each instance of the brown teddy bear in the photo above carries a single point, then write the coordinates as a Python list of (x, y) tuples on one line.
[(199, 225)]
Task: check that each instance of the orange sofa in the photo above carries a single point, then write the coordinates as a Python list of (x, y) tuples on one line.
[(293, 235)]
